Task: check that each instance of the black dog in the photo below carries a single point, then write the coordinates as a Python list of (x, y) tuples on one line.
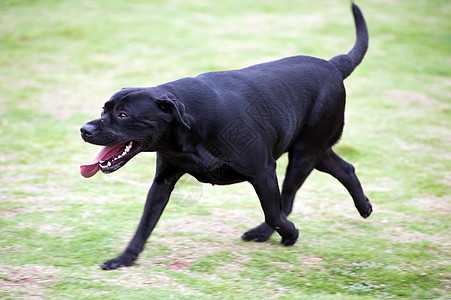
[(232, 126)]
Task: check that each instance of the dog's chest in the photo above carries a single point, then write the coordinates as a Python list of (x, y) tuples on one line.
[(221, 175), (214, 171)]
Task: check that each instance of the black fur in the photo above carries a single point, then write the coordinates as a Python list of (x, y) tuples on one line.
[(232, 126)]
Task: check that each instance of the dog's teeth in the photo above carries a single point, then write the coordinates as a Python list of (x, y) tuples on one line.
[(105, 165), (127, 148)]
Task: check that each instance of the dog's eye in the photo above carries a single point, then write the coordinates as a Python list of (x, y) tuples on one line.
[(163, 107), (122, 115)]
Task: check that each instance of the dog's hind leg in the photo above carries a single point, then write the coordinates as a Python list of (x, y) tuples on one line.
[(334, 165)]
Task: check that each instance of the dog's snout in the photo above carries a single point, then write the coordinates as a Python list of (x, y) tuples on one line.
[(87, 130)]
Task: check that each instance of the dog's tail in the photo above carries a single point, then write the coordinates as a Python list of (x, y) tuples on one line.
[(346, 63)]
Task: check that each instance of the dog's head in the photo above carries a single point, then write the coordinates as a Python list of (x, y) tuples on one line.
[(132, 121)]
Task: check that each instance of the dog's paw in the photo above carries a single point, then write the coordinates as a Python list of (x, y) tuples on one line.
[(290, 241), (369, 209), (260, 233), (120, 261)]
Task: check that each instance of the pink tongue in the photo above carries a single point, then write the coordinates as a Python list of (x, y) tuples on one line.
[(90, 170)]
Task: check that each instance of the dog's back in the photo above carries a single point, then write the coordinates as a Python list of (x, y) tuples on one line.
[(289, 90)]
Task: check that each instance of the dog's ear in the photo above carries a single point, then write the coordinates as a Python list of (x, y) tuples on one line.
[(168, 103)]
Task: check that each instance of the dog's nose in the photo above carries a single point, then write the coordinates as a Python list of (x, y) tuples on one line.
[(87, 130)]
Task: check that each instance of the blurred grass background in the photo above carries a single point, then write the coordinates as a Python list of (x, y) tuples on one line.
[(61, 60)]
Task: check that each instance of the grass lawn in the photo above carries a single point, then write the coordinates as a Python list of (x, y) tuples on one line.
[(61, 60)]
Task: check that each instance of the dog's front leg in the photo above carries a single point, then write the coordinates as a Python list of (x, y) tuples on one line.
[(268, 192), (157, 198)]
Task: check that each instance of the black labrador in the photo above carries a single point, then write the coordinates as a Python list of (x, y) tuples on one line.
[(232, 126)]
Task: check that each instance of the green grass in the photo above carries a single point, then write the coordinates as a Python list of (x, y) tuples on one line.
[(60, 60)]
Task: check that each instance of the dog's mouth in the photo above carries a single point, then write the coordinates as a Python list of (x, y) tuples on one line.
[(111, 158)]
